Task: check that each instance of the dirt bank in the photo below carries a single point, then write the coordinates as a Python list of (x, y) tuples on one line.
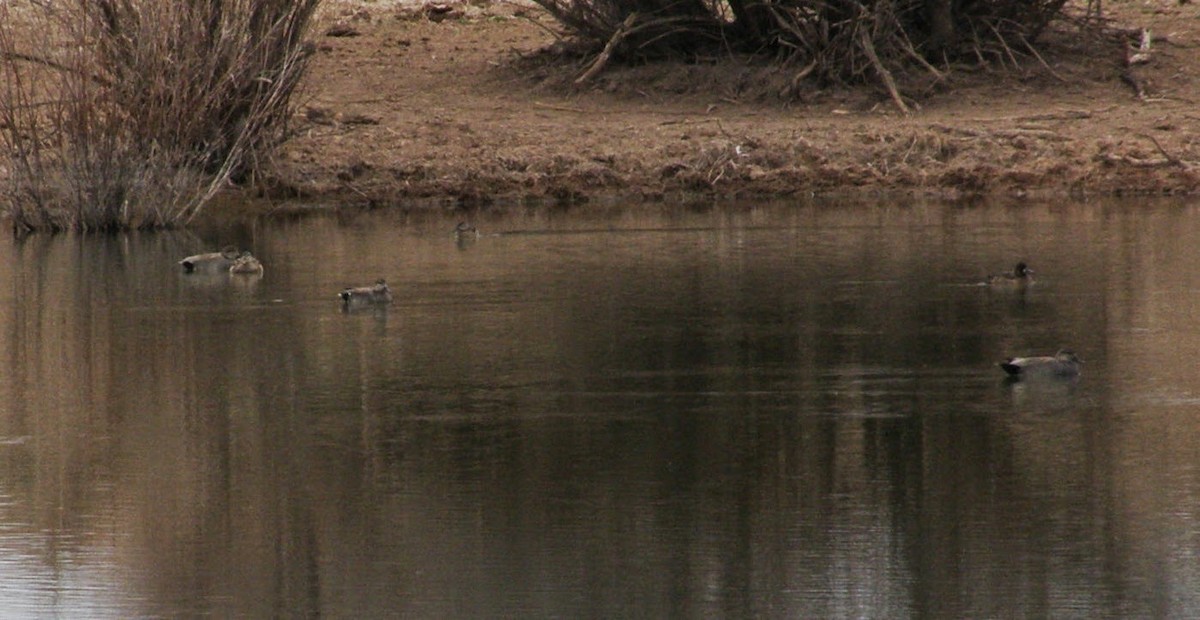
[(403, 105)]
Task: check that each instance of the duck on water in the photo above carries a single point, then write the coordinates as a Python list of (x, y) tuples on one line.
[(246, 264), (377, 294), (228, 260), (1063, 364), (1021, 275), (211, 262)]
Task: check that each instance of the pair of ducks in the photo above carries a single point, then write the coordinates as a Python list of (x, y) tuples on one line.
[(230, 260), (1064, 364), (227, 260), (379, 293)]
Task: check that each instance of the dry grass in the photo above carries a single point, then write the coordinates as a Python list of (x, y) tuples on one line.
[(122, 114)]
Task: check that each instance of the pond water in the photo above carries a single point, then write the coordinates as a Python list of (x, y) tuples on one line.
[(773, 411)]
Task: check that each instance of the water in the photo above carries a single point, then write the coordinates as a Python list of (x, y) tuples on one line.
[(781, 411)]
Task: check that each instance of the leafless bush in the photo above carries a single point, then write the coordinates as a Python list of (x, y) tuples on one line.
[(832, 40), (134, 113)]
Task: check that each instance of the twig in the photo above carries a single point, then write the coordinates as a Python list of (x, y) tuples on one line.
[(722, 129), (1065, 115), (1170, 158), (884, 74), (1035, 53), (686, 121), (1044, 134), (805, 72), (10, 56), (1137, 162), (912, 52), (971, 133), (558, 108), (1004, 44), (521, 15), (604, 56)]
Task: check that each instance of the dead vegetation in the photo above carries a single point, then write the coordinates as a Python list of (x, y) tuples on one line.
[(839, 41), (122, 114)]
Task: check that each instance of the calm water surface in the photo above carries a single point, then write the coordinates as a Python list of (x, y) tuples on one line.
[(785, 411)]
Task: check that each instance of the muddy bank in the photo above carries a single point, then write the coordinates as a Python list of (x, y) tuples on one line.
[(467, 108)]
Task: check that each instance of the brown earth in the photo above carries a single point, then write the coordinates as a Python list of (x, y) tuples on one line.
[(404, 105)]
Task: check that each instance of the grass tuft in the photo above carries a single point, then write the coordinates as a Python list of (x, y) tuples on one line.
[(133, 114)]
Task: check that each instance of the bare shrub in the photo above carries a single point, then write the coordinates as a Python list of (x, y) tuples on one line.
[(830, 40), (135, 113)]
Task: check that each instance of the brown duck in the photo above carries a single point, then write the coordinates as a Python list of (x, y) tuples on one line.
[(379, 293)]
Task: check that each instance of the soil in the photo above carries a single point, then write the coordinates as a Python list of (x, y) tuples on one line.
[(473, 104)]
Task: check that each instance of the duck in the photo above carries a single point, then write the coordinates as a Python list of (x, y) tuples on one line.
[(246, 264), (1021, 275), (379, 293), (212, 262), (1063, 364), (465, 229)]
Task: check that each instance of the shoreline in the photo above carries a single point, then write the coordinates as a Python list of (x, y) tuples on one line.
[(473, 111)]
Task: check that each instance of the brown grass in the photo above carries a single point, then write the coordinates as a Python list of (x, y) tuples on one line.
[(122, 114)]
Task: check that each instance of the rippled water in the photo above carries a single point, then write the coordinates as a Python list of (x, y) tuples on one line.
[(781, 411)]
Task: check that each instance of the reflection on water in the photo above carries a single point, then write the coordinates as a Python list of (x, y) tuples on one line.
[(778, 411)]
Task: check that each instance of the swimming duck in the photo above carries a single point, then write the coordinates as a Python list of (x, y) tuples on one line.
[(246, 264), (465, 229), (1020, 276), (377, 294), (212, 262), (1064, 364)]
